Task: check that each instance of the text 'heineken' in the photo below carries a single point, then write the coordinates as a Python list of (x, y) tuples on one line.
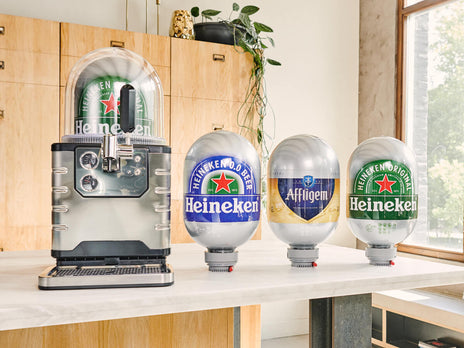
[(382, 201), (304, 195), (221, 195)]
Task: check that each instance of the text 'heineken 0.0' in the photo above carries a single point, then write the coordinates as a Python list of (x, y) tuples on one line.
[(382, 202)]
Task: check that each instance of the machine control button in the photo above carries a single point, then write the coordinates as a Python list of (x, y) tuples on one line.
[(89, 160), (89, 183)]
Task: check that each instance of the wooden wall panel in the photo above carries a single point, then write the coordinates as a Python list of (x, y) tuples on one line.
[(27, 131), (77, 40), (179, 233), (29, 94), (29, 34), (29, 67), (89, 335), (202, 329), (250, 326), (196, 117), (198, 75), (205, 329), (190, 119)]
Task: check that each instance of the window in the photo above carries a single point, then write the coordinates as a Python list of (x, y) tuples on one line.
[(431, 120)]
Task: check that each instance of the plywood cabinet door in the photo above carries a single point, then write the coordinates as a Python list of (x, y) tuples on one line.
[(28, 34), (29, 127), (208, 87), (209, 71), (29, 120)]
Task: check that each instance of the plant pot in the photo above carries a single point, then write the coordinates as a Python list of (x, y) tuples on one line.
[(218, 32)]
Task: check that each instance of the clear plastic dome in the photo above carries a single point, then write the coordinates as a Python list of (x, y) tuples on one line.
[(92, 98)]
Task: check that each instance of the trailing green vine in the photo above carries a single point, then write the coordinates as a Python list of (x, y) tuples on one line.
[(253, 37)]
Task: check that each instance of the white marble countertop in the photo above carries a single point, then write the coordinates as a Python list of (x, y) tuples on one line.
[(263, 274)]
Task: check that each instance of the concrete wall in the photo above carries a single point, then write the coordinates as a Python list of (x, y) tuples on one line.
[(377, 68), (315, 91)]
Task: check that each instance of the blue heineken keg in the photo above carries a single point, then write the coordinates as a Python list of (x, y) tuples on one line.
[(382, 200), (304, 196), (221, 196)]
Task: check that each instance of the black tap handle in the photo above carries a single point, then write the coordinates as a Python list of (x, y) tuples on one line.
[(127, 108)]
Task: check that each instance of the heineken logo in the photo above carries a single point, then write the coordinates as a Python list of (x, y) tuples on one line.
[(384, 175), (223, 184), (385, 184), (383, 190), (111, 105), (222, 189), (98, 108)]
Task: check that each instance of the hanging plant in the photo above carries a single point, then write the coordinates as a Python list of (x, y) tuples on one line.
[(253, 37)]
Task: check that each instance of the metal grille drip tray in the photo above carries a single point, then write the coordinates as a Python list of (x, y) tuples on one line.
[(118, 276)]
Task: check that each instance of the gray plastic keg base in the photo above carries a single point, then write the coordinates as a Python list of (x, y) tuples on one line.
[(221, 261), (381, 256), (303, 257)]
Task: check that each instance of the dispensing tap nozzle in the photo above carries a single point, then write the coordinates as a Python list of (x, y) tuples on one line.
[(112, 152)]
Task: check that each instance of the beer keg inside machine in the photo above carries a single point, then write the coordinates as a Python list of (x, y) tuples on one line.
[(111, 178)]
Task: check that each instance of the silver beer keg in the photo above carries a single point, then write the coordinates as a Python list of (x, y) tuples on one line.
[(304, 195), (382, 200), (221, 195)]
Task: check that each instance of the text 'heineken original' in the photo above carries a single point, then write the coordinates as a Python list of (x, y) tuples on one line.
[(111, 187), (221, 196), (382, 200), (304, 196)]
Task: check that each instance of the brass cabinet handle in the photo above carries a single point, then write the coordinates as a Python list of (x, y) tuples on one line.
[(114, 43), (2, 30), (2, 114), (217, 126), (2, 65), (219, 57)]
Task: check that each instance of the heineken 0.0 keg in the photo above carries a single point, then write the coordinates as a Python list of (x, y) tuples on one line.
[(304, 196), (382, 199), (221, 195)]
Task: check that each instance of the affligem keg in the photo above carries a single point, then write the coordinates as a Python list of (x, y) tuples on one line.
[(382, 199), (221, 196), (304, 195)]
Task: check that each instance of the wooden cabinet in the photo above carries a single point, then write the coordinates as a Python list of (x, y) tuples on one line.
[(29, 103), (208, 86)]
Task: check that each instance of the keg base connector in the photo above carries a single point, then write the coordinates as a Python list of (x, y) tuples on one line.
[(221, 261), (303, 258), (381, 255)]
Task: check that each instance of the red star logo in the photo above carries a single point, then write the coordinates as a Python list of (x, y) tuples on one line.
[(385, 184), (111, 104), (222, 183)]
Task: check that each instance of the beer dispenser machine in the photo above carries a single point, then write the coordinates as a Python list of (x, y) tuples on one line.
[(111, 178)]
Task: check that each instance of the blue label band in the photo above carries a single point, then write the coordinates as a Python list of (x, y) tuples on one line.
[(222, 189)]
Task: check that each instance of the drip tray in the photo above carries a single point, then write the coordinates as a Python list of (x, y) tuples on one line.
[(119, 276)]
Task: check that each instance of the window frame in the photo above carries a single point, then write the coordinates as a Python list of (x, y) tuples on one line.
[(403, 14)]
